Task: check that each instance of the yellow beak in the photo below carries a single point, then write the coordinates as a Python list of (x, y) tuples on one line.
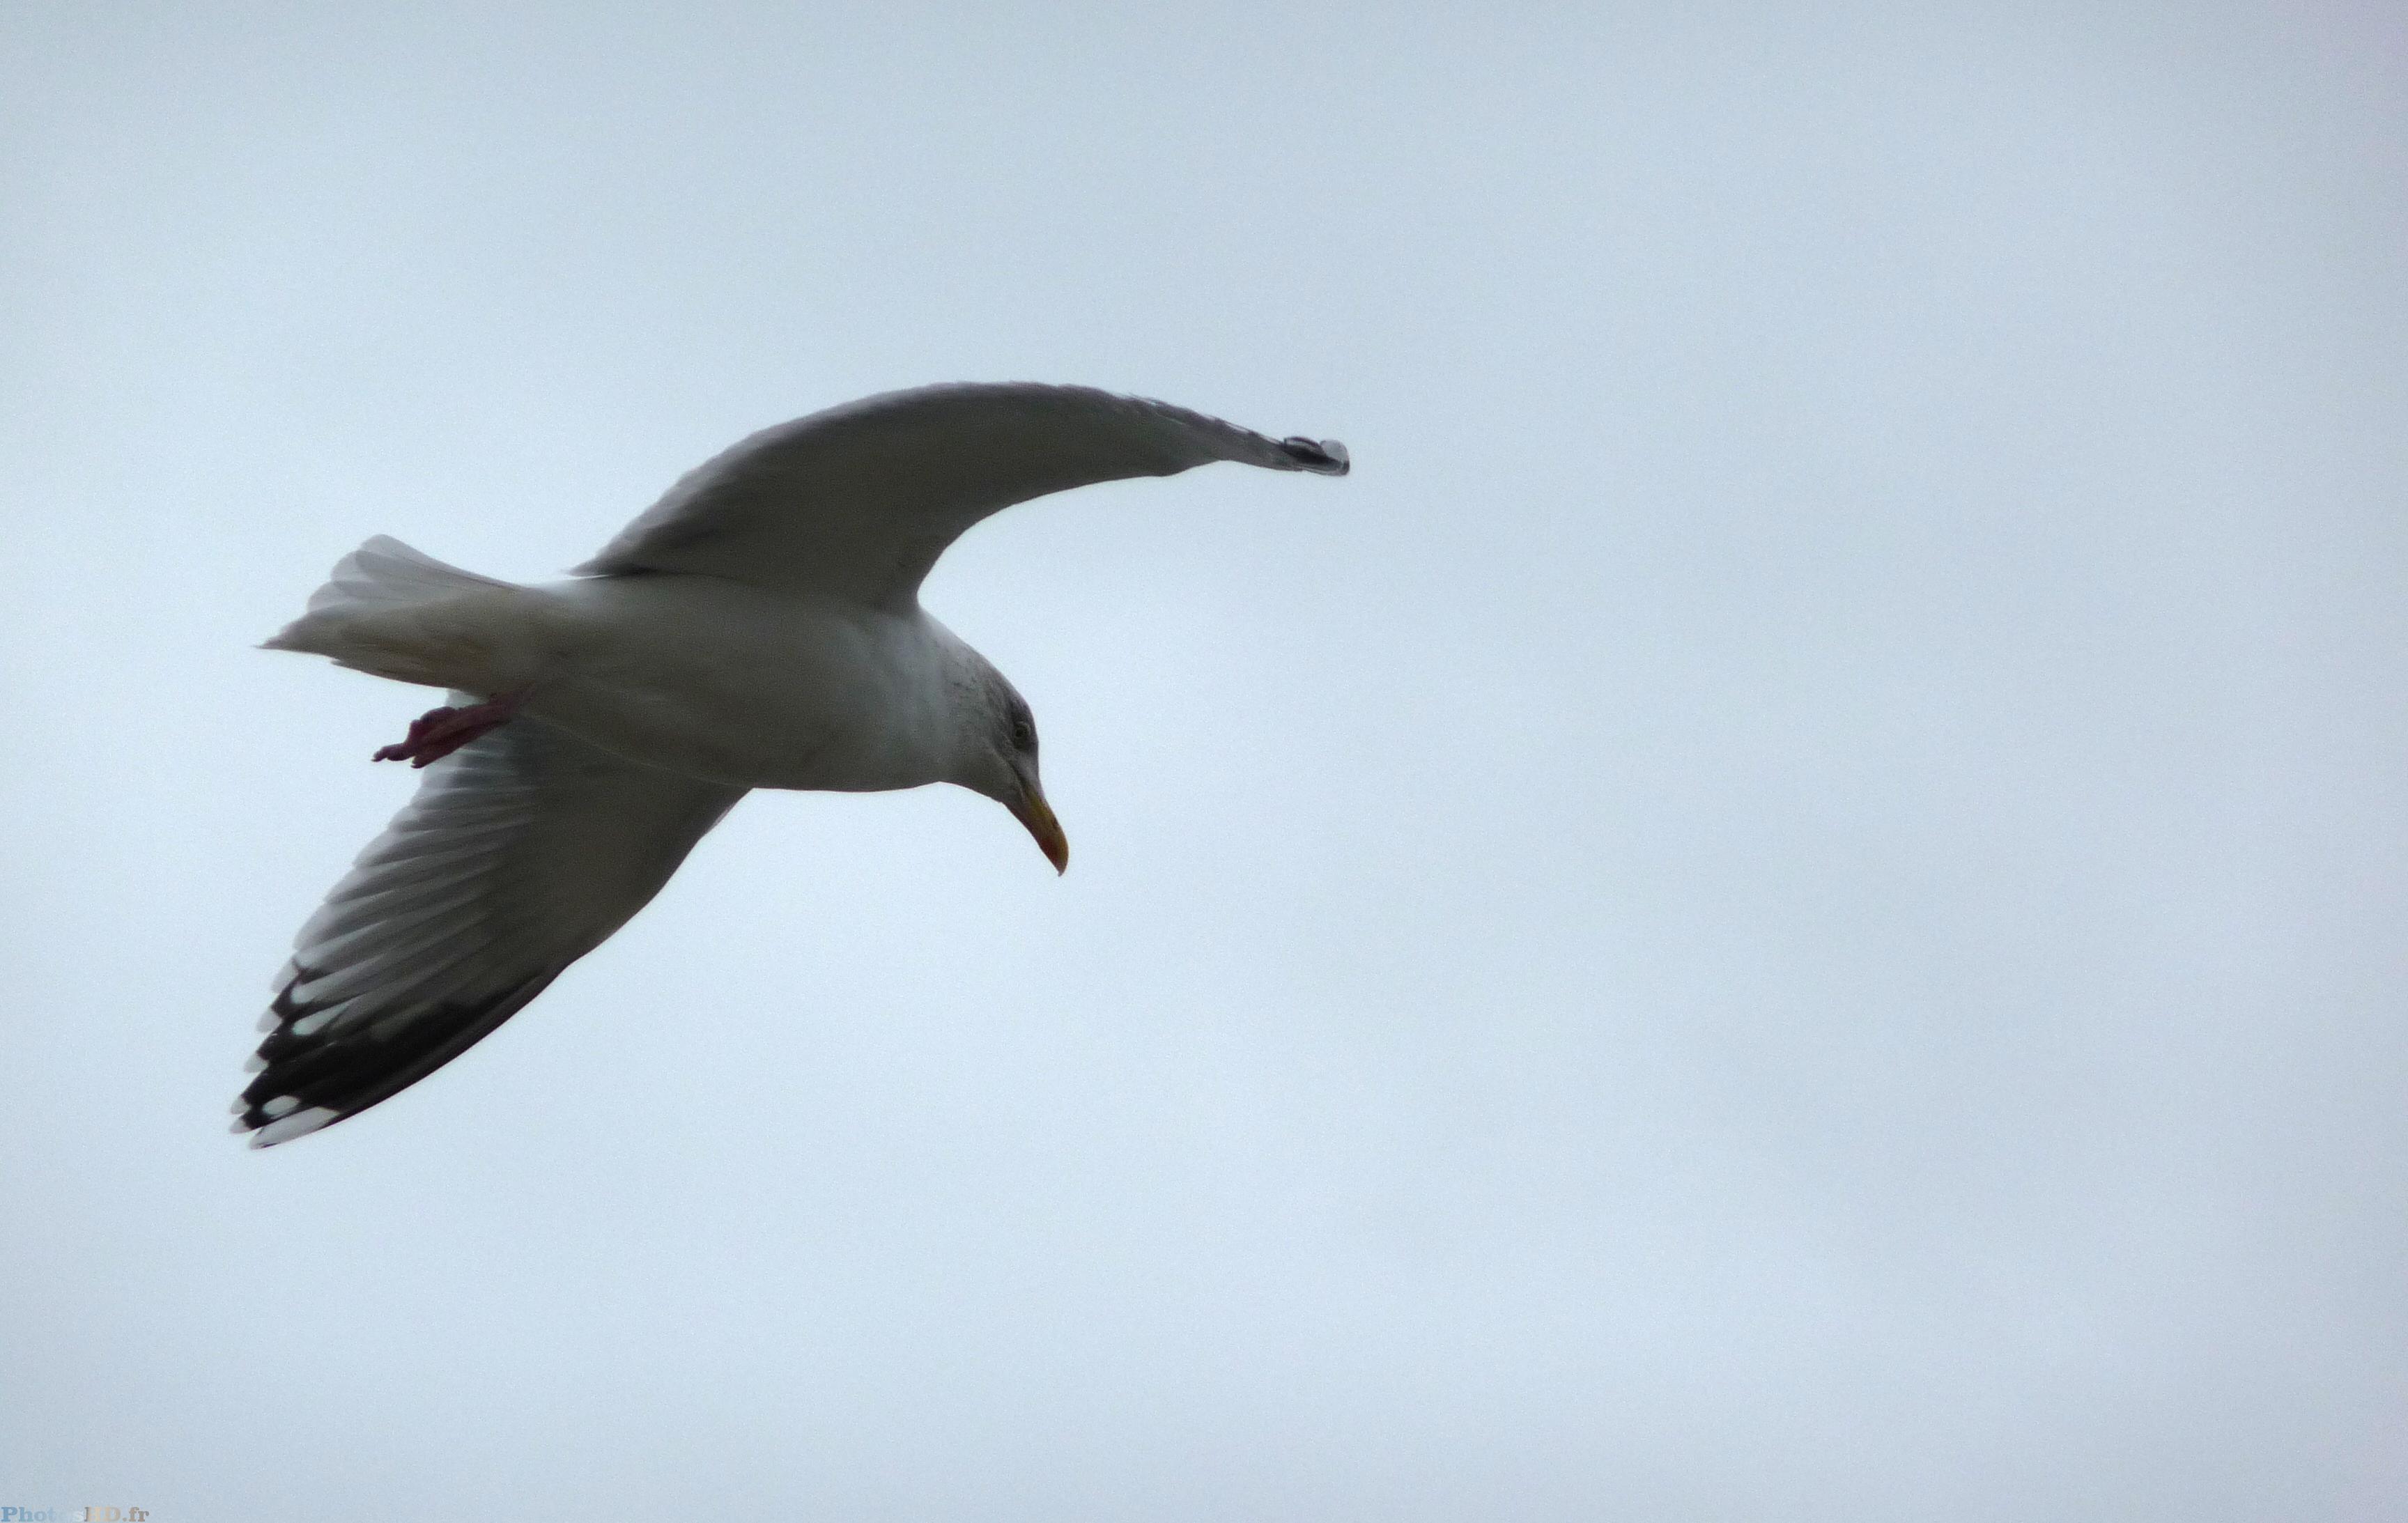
[(1038, 815)]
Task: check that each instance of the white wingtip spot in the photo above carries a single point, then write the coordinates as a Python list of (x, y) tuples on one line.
[(280, 1105), (254, 1064), (269, 1022), (1323, 456), (299, 1124)]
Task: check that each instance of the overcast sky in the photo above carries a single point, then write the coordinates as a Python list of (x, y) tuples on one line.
[(1791, 905)]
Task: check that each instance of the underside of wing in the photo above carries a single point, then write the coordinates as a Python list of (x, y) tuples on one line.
[(520, 853), (859, 501)]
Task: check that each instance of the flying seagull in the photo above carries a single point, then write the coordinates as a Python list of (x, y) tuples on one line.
[(758, 627)]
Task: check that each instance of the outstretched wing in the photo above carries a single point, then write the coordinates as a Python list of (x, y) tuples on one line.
[(859, 501), (520, 853)]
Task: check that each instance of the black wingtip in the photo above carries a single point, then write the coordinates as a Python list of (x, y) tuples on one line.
[(308, 1082), (1322, 456)]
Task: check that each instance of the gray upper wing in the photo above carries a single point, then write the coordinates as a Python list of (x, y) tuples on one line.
[(859, 501), (520, 853)]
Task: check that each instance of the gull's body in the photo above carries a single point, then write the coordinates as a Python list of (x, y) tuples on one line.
[(760, 627), (709, 678)]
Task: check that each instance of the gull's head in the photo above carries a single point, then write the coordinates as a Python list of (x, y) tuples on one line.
[(1001, 761)]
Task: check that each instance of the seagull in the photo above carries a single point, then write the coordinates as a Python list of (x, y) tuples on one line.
[(758, 627)]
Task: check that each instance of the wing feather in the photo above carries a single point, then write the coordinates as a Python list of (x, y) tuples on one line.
[(859, 501), (520, 853)]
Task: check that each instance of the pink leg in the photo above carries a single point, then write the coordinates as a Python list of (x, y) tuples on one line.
[(439, 732)]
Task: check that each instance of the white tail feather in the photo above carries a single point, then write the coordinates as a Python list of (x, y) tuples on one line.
[(399, 613), (384, 573)]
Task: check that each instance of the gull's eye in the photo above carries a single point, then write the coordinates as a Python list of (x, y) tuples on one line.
[(1024, 735)]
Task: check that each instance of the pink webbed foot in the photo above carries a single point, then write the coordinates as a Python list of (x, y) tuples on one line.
[(439, 732)]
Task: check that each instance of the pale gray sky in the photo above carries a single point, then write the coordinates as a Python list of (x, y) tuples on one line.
[(1791, 905)]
